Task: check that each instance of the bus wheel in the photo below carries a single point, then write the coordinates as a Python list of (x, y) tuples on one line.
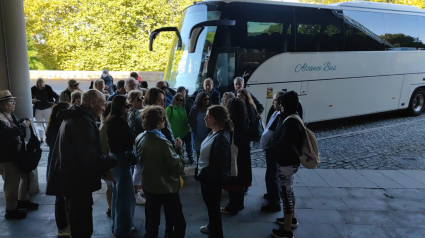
[(417, 103)]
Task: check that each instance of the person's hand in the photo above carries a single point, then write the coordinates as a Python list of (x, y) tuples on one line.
[(108, 175), (137, 188), (34, 100), (106, 87), (27, 122), (179, 143)]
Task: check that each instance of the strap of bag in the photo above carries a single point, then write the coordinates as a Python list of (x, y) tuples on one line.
[(305, 129), (233, 137), (171, 112)]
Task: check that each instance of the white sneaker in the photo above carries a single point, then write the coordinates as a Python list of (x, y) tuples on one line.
[(140, 200), (204, 229), (64, 232)]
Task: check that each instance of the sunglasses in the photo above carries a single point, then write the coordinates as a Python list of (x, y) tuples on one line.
[(140, 99), (179, 100), (205, 99), (164, 88), (127, 106), (75, 85), (12, 102)]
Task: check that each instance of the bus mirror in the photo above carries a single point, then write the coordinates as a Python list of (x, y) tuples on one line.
[(156, 32), (197, 29)]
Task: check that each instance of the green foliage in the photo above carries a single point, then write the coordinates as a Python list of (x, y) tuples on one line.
[(93, 35), (277, 27), (417, 3)]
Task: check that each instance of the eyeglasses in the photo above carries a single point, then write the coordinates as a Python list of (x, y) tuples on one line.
[(179, 100), (206, 99), (140, 99), (12, 102), (127, 106)]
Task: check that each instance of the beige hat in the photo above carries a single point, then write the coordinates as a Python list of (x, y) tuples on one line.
[(5, 94), (72, 82)]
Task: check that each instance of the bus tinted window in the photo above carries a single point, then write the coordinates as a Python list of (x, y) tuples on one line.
[(364, 31), (318, 30), (421, 43), (401, 32)]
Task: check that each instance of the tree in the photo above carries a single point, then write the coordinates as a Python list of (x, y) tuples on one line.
[(93, 35), (418, 3)]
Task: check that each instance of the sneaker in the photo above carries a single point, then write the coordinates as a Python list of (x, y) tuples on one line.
[(281, 221), (269, 208), (64, 232), (28, 205), (108, 212), (204, 229), (281, 233), (15, 214), (133, 229), (140, 200), (226, 211)]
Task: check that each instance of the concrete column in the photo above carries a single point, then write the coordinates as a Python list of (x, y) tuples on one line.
[(15, 56)]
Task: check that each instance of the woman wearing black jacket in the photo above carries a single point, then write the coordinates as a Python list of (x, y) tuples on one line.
[(43, 98), (214, 166), (121, 141), (286, 143), (235, 185), (12, 132)]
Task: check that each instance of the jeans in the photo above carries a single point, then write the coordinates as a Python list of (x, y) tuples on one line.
[(211, 193), (79, 211), (60, 213), (271, 180), (188, 140), (123, 198), (173, 211)]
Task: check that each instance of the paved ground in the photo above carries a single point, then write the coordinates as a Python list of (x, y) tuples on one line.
[(330, 203)]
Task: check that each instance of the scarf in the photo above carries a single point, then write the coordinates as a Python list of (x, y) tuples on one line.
[(9, 120)]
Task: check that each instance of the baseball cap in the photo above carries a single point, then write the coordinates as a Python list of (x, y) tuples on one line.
[(72, 82)]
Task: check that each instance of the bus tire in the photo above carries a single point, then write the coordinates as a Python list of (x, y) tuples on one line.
[(417, 103)]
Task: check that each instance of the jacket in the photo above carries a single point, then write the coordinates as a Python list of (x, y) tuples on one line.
[(193, 120), (77, 163), (258, 105), (188, 105), (120, 136), (214, 96), (135, 121), (161, 164), (218, 169), (109, 81), (9, 138), (65, 96), (289, 135), (46, 97), (178, 121)]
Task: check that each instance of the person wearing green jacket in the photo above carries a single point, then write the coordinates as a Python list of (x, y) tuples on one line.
[(177, 116)]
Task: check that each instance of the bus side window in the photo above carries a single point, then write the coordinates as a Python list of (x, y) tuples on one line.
[(364, 31)]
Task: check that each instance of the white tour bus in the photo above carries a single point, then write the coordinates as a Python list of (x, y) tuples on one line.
[(343, 60)]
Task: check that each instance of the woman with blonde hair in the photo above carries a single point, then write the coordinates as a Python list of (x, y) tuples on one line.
[(209, 88)]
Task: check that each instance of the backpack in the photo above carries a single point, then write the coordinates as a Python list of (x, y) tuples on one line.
[(309, 156), (30, 154)]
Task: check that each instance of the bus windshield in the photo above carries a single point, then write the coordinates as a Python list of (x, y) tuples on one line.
[(189, 69)]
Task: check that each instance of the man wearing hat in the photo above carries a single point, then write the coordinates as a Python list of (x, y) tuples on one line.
[(66, 94), (15, 184)]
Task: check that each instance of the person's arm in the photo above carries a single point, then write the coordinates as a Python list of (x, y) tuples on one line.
[(260, 107), (8, 133), (219, 158), (53, 94), (86, 146), (172, 159)]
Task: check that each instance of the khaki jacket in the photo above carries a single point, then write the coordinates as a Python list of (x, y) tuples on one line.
[(161, 164)]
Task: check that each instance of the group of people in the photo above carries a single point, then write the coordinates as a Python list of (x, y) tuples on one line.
[(138, 151)]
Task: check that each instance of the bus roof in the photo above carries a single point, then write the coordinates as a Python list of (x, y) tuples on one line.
[(353, 5)]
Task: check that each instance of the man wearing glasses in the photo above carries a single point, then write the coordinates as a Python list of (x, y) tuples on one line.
[(66, 94)]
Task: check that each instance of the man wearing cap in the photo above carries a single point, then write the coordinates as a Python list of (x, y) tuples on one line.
[(66, 94), (12, 132)]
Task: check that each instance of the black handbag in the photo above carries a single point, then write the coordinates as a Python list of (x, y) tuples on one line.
[(256, 129), (29, 154)]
